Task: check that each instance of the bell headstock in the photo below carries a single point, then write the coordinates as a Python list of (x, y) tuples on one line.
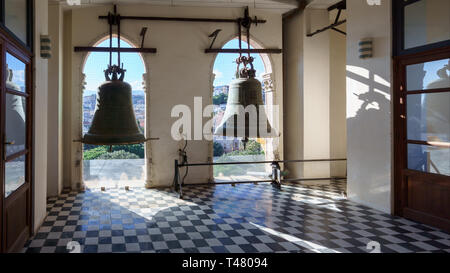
[(114, 73)]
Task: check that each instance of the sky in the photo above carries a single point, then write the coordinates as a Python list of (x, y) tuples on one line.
[(224, 67), (18, 70), (97, 62), (225, 64)]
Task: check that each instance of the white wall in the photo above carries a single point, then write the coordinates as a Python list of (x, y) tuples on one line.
[(40, 116), (308, 100), (316, 94), (178, 72), (338, 90), (369, 111), (55, 70), (293, 35)]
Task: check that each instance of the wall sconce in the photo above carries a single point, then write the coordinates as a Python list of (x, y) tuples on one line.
[(365, 48), (46, 47)]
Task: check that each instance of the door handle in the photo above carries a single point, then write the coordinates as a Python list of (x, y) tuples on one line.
[(10, 143)]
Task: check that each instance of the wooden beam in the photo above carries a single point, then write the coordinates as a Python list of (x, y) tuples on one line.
[(182, 19), (107, 49), (245, 51)]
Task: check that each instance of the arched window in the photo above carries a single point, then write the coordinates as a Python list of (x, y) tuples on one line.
[(125, 164), (229, 149)]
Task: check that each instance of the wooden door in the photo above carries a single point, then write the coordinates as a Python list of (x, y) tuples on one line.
[(422, 141), (16, 139)]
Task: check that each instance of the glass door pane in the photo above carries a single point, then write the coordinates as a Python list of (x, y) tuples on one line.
[(16, 18), (15, 124), (428, 116), (15, 74), (14, 174), (15, 112), (426, 22), (429, 75)]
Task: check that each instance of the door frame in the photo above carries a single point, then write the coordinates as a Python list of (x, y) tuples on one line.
[(400, 133), (9, 44)]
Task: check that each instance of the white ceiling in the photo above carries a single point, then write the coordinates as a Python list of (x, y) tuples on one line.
[(322, 4), (262, 4)]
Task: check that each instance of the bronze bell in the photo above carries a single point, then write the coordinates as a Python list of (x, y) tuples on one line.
[(114, 120), (245, 91)]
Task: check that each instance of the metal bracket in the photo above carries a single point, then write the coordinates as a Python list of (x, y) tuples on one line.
[(244, 22), (339, 6), (143, 32), (214, 36), (114, 19)]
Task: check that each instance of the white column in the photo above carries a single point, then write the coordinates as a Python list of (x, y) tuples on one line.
[(211, 143), (77, 147), (272, 144), (148, 144)]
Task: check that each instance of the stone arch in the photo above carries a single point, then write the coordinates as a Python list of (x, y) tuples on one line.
[(268, 78), (79, 104)]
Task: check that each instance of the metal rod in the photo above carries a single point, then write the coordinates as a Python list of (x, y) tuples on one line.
[(264, 181), (338, 30), (327, 28), (230, 183), (237, 50), (110, 39), (311, 179), (240, 38), (107, 49), (118, 39), (182, 19), (260, 162)]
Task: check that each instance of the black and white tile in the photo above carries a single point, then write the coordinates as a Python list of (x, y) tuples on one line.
[(225, 219)]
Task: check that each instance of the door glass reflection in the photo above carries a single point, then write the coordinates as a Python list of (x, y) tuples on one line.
[(430, 75), (15, 124), (16, 18), (426, 22), (15, 74), (429, 117), (14, 175), (429, 159)]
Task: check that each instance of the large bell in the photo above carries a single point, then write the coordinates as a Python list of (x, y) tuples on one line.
[(245, 116), (114, 120)]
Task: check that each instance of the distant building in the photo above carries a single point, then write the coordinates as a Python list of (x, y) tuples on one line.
[(221, 90)]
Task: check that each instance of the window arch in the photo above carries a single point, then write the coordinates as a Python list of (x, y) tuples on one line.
[(100, 167), (230, 149)]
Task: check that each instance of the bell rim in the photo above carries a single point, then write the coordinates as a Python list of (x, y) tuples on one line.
[(97, 140)]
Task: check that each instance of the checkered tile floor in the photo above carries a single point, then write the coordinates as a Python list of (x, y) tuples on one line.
[(245, 218)]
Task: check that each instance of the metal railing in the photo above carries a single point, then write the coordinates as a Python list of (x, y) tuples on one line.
[(276, 177)]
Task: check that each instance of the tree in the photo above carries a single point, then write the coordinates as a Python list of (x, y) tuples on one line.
[(218, 149), (118, 155), (253, 148), (137, 149), (94, 153), (220, 99)]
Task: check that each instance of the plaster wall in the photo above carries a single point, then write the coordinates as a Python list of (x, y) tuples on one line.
[(55, 73), (308, 106), (369, 110), (338, 121), (40, 116)]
